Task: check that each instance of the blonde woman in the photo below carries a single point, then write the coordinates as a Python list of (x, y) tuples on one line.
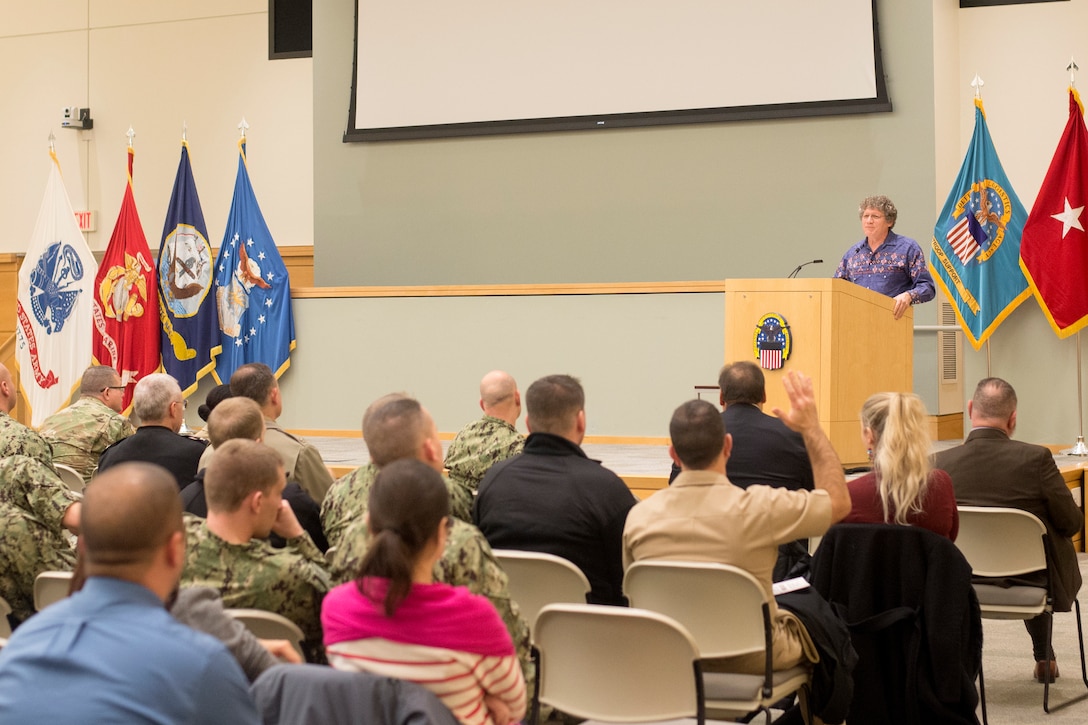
[(903, 487)]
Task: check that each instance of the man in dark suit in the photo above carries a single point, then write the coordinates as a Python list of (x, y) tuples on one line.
[(765, 451), (991, 469), (160, 406)]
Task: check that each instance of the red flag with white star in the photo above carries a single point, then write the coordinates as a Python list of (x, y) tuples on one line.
[(1054, 248), (126, 304)]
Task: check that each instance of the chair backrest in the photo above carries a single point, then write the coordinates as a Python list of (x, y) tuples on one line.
[(720, 605), (1001, 541), (538, 579), (269, 625), (70, 477), (51, 586), (617, 664)]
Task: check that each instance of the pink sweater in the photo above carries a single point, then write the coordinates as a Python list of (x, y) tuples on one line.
[(445, 638)]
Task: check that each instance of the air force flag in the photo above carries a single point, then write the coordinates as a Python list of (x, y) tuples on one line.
[(252, 289), (56, 293), (190, 328)]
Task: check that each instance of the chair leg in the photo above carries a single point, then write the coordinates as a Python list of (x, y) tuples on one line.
[(1046, 676), (534, 709), (1083, 668), (982, 693)]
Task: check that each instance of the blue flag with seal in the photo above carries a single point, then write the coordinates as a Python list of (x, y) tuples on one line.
[(190, 327), (975, 255), (252, 288)]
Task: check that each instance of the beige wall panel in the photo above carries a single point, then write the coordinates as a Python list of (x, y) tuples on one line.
[(105, 13), (208, 73), (638, 356), (18, 17), (41, 75)]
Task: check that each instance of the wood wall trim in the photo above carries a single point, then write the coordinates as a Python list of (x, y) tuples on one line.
[(511, 290)]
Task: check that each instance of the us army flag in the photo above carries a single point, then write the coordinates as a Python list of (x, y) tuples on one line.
[(975, 254), (190, 328), (252, 289), (56, 291), (1054, 255), (126, 320)]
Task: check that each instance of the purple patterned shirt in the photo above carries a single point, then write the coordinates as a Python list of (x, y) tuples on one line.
[(896, 266)]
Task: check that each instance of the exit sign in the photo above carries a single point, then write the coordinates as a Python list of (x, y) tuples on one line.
[(85, 219)]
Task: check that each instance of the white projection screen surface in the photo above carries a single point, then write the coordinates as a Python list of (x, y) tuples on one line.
[(426, 68)]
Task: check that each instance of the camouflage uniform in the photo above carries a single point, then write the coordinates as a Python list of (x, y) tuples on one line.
[(291, 581), (467, 561), (28, 484), (32, 540), (80, 433), (346, 501), (301, 461), (17, 439), (478, 446)]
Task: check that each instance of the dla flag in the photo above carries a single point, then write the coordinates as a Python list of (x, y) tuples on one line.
[(56, 294), (975, 255), (190, 327), (252, 289)]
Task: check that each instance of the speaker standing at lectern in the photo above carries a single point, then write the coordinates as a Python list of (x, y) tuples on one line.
[(886, 262)]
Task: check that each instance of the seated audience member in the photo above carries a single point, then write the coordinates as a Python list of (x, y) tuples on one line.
[(553, 498), (215, 396), (704, 517), (244, 486), (15, 438), (36, 509), (301, 460), (242, 418), (111, 652), (397, 427), (395, 620), (80, 432), (903, 487), (991, 469), (202, 609), (160, 407), (490, 439), (409, 432)]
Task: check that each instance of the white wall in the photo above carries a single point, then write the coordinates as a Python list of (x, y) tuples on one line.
[(153, 65)]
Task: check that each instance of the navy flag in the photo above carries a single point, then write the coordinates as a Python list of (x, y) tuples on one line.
[(251, 287), (190, 330)]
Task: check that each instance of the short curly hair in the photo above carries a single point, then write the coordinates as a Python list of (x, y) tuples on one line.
[(883, 205)]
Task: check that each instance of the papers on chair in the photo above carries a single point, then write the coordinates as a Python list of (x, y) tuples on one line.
[(789, 585)]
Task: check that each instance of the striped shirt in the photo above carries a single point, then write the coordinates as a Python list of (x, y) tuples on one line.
[(450, 641)]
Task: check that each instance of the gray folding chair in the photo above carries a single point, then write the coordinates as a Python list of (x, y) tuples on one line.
[(1007, 542), (728, 614), (538, 579), (269, 625), (50, 587), (70, 477), (617, 664)]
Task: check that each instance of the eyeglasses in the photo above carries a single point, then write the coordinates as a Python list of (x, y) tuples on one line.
[(115, 387)]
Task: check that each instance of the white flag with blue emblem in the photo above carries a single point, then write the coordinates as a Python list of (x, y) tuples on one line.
[(56, 295)]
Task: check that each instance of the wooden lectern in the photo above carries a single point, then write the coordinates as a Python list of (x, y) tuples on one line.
[(843, 336)]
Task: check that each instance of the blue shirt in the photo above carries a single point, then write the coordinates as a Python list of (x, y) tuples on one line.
[(111, 653), (896, 266)]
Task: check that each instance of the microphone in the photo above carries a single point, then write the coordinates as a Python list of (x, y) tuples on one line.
[(798, 267)]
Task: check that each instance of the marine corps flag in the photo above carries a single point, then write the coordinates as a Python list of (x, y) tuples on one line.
[(1054, 255), (252, 290), (975, 255), (190, 329), (126, 326), (56, 290)]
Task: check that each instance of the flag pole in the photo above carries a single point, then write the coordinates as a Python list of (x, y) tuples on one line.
[(1078, 449)]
